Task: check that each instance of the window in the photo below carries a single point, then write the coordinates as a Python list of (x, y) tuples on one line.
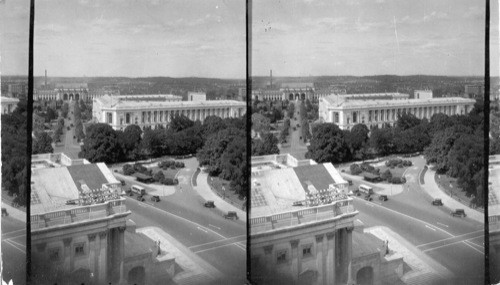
[(143, 116), (307, 251), (79, 249), (54, 254), (336, 117), (127, 118), (369, 116), (354, 117), (281, 256)]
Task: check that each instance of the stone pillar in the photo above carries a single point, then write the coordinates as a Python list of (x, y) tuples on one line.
[(121, 250), (268, 258), (92, 254), (295, 259), (348, 237), (330, 258), (103, 257), (67, 255), (320, 259)]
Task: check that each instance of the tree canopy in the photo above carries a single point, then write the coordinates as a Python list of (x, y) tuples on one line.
[(328, 144)]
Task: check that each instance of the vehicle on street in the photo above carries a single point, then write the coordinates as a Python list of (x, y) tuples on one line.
[(140, 198), (138, 190), (349, 181), (70, 202), (365, 189), (209, 204), (383, 198), (4, 212), (122, 182), (368, 197), (459, 213), (231, 215), (437, 202), (155, 198)]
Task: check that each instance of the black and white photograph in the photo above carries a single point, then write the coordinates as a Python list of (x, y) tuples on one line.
[(138, 168), (367, 142)]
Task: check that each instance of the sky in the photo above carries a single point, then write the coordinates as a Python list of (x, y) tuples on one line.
[(172, 38), (14, 37), (368, 37)]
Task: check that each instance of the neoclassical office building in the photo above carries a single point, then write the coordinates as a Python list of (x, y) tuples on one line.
[(377, 110), (155, 110), (72, 92), (290, 91)]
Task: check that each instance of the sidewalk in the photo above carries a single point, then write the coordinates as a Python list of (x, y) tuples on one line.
[(434, 191), (194, 269), (204, 190), (15, 213), (424, 269)]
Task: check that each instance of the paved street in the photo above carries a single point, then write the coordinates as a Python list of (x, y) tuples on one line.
[(13, 250), (297, 147), (218, 241), (456, 243)]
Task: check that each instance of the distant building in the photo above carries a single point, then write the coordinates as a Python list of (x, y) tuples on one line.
[(376, 109), (302, 228), (8, 104), (474, 91), (155, 110), (494, 217), (79, 228), (197, 96), (72, 92), (422, 94)]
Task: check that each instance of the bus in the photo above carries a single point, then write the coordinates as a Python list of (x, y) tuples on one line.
[(138, 190), (367, 190)]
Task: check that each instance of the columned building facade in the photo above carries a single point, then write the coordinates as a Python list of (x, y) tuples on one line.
[(346, 112), (120, 112)]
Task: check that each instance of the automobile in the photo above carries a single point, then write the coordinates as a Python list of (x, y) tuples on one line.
[(122, 182), (349, 181), (350, 193), (4, 212), (383, 198), (71, 125), (368, 198), (70, 202), (140, 198), (437, 202), (209, 204), (294, 129), (155, 198), (68, 128), (231, 215), (297, 203), (459, 213), (298, 125)]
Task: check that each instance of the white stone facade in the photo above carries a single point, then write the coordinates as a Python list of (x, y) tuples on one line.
[(120, 112), (346, 113)]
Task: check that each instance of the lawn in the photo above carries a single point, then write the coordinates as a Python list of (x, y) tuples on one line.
[(169, 173), (450, 187), (217, 185)]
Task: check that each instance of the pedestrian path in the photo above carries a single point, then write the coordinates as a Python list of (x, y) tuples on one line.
[(430, 186), (15, 213), (194, 269), (424, 269), (206, 192)]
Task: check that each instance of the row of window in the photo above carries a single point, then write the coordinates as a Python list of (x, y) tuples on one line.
[(282, 255), (55, 254)]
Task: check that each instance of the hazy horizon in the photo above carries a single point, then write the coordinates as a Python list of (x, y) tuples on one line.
[(359, 37)]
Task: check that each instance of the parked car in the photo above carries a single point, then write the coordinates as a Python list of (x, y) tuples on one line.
[(459, 213), (141, 198), (349, 181), (368, 198), (383, 198), (209, 204), (122, 182), (4, 212), (437, 202), (231, 215), (155, 198)]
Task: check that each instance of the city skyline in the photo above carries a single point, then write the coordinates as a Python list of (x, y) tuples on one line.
[(316, 37), (140, 39)]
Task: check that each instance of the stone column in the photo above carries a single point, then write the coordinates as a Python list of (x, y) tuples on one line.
[(330, 258), (295, 259), (348, 237), (67, 255), (121, 251), (268, 258), (92, 254), (103, 257), (320, 259)]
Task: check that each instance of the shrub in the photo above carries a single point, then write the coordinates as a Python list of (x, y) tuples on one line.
[(128, 169), (159, 176), (179, 164), (168, 181), (398, 180), (386, 175), (355, 169)]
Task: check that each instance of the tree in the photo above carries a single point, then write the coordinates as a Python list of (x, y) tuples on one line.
[(130, 141), (407, 121), (268, 144), (382, 141), (79, 130), (159, 176), (291, 109), (212, 124), (386, 175), (260, 123), (328, 144), (51, 114), (42, 143), (101, 144), (179, 123), (64, 110), (357, 137)]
